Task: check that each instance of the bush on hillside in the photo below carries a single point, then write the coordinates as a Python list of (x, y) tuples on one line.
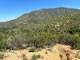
[(32, 50), (1, 56), (38, 56), (34, 57)]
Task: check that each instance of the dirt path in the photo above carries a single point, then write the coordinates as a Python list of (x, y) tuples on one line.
[(54, 55)]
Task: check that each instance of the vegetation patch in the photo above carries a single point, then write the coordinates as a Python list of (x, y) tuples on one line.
[(46, 52), (24, 57), (77, 55), (34, 57), (1, 56), (61, 56), (38, 56), (61, 29), (32, 50)]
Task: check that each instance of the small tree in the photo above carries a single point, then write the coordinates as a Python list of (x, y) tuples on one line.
[(1, 56), (61, 56), (34, 57), (38, 56), (31, 49), (24, 57), (46, 52)]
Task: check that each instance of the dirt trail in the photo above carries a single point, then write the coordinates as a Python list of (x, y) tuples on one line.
[(54, 54)]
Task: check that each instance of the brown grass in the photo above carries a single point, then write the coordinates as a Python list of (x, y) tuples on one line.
[(52, 55)]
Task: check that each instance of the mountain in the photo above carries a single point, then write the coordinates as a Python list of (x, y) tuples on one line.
[(63, 28), (43, 14)]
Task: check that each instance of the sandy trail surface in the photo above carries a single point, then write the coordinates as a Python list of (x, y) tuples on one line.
[(54, 54)]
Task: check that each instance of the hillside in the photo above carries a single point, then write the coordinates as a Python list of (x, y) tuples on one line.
[(54, 53), (43, 14), (42, 33), (61, 29)]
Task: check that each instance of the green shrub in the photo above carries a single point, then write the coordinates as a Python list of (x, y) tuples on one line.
[(23, 55), (3, 44), (24, 46), (31, 49), (46, 52), (77, 55), (38, 56), (61, 56), (34, 57), (1, 56)]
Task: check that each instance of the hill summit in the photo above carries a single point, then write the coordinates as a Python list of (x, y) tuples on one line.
[(43, 14)]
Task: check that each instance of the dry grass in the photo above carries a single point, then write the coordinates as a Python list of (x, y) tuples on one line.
[(52, 55)]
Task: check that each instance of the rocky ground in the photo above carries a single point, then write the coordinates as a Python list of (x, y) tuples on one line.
[(58, 52)]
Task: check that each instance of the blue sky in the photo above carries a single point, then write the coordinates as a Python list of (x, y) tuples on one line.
[(11, 9)]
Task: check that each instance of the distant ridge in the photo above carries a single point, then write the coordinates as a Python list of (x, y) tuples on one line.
[(42, 14)]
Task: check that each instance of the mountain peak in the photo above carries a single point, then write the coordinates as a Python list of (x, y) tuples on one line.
[(44, 14)]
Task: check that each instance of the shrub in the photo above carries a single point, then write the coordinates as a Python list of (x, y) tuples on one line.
[(3, 45), (61, 56), (46, 52), (77, 55), (24, 46), (38, 56), (1, 56), (31, 49), (34, 57), (23, 55)]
